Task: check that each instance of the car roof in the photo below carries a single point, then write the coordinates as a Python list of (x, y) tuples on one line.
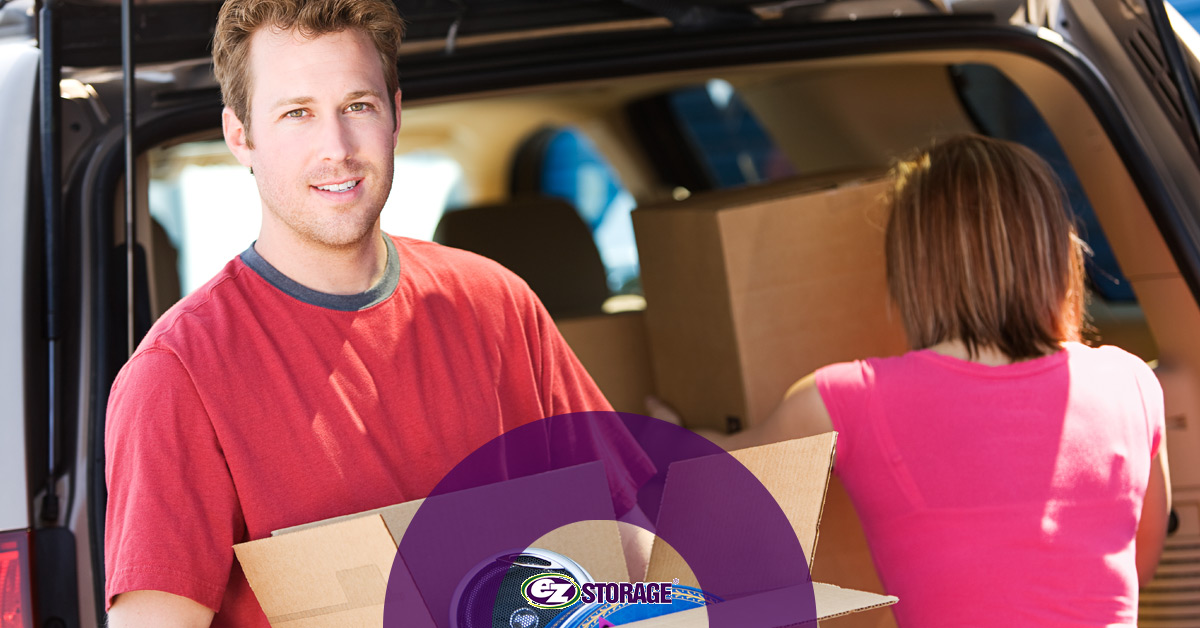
[(175, 30)]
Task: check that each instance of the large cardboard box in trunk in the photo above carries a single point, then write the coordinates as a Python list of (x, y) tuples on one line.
[(748, 290), (334, 573)]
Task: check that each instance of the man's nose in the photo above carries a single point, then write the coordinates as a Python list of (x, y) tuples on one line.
[(336, 144)]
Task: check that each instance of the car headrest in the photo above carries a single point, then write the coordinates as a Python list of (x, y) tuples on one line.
[(544, 241)]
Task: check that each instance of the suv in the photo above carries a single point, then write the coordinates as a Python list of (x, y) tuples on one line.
[(604, 104)]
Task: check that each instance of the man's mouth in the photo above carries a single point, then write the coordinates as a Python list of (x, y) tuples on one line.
[(339, 187)]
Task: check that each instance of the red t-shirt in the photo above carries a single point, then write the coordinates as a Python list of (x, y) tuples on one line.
[(248, 408)]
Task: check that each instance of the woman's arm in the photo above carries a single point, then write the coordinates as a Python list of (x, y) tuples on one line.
[(1156, 508), (802, 413)]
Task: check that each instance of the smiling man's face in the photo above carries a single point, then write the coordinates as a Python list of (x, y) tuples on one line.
[(323, 133)]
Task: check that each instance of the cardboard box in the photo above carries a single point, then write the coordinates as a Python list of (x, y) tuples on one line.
[(748, 290), (333, 573), (614, 350)]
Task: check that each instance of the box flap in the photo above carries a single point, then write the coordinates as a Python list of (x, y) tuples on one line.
[(831, 601), (325, 574), (594, 544), (333, 575), (834, 601), (397, 517), (795, 472)]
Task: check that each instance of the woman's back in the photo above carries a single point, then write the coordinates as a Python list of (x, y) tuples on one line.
[(1005, 495)]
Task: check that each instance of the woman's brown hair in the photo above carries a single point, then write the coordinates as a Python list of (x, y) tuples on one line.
[(982, 248)]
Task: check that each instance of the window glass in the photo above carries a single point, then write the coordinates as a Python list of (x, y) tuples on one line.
[(731, 144), (1001, 109), (425, 184), (573, 170), (1190, 10), (720, 133), (208, 204)]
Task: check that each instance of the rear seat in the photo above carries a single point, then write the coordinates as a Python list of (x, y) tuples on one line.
[(545, 242)]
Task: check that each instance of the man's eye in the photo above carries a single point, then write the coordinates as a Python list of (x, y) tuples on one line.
[(358, 106), (295, 113)]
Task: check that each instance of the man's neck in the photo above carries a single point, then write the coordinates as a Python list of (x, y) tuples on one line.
[(345, 270)]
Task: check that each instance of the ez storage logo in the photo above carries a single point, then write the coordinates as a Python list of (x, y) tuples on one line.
[(550, 590)]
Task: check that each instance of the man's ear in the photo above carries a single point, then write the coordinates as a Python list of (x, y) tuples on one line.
[(236, 137), (396, 133)]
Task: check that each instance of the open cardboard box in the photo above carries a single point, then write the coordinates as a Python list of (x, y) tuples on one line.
[(334, 572)]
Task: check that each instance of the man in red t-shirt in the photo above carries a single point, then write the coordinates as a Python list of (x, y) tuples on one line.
[(330, 368)]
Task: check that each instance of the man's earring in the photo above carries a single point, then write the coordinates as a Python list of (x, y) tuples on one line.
[(252, 171)]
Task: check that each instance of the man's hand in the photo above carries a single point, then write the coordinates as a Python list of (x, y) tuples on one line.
[(155, 609)]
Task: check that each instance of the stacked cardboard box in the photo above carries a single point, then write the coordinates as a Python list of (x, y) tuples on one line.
[(750, 289)]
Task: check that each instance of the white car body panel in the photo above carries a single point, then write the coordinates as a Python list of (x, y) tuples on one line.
[(18, 76)]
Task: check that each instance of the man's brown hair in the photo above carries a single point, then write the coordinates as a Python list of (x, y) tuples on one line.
[(239, 19), (982, 248)]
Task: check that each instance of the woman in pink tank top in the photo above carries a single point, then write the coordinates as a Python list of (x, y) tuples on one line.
[(1005, 474)]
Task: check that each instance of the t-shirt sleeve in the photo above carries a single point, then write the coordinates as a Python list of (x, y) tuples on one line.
[(844, 391), (567, 387), (1152, 400), (173, 515)]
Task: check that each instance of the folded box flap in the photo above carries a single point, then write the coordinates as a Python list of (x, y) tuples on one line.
[(796, 473), (330, 575), (831, 601), (834, 601), (323, 574)]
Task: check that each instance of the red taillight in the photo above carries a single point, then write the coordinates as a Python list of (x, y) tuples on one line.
[(15, 610)]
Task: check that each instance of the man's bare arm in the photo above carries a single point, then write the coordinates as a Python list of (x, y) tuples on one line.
[(155, 609)]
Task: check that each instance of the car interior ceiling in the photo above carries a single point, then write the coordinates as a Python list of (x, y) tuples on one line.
[(844, 114)]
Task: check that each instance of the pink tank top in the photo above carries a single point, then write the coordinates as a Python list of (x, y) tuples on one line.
[(1000, 496)]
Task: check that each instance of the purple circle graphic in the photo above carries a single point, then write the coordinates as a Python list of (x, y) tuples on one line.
[(601, 466)]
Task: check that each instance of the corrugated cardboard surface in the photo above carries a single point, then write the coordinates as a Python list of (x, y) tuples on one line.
[(831, 602), (334, 573), (397, 518), (689, 317), (614, 350), (749, 290), (786, 278), (795, 472), (595, 545), (845, 557), (834, 601)]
